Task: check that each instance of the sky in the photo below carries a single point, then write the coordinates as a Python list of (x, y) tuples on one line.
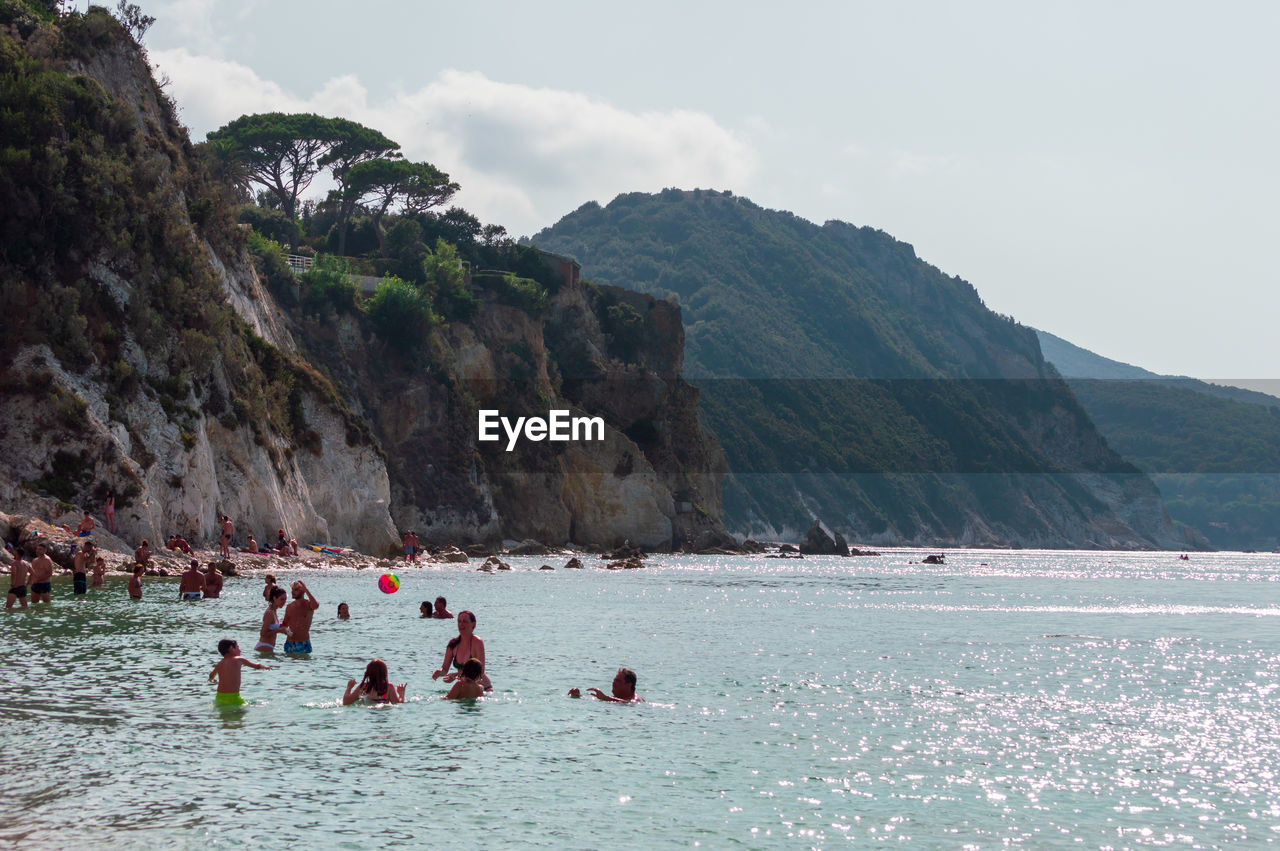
[(1102, 171)]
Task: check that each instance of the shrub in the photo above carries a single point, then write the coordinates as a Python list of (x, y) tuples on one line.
[(401, 313)]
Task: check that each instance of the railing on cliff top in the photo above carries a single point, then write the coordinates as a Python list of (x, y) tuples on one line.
[(299, 264)]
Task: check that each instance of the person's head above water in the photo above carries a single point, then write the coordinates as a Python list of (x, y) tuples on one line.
[(344, 611), (226, 645), (624, 683), (472, 669)]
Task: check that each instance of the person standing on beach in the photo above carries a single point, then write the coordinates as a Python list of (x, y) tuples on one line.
[(227, 529), (109, 510), (135, 583), (271, 626), (17, 581), (624, 689), (297, 618), (80, 568), (212, 582), (41, 575), (192, 585)]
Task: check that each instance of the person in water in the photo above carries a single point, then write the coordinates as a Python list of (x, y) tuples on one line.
[(468, 685), (441, 611), (270, 579), (297, 618), (212, 582), (462, 647), (271, 626), (375, 687), (135, 582), (192, 585), (344, 612), (624, 689), (18, 572), (99, 572), (227, 673), (80, 568), (41, 575)]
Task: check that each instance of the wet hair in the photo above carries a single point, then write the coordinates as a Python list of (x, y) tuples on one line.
[(277, 591), (426, 604), (442, 601), (375, 678), (628, 675), (341, 606), (225, 645), (453, 642), (473, 669)]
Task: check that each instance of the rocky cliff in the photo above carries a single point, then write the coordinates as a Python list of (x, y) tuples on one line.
[(147, 359)]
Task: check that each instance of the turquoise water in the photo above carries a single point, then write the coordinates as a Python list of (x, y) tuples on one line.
[(1033, 698)]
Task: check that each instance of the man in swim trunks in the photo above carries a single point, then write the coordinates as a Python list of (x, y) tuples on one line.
[(80, 568), (85, 529), (271, 626), (408, 545), (624, 689), (192, 585), (41, 575), (227, 673), (212, 582), (297, 618), (227, 529), (17, 581)]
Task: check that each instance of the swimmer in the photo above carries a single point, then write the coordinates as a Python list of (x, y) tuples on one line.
[(468, 684), (99, 572), (424, 609), (41, 575), (344, 612), (624, 689), (271, 625), (465, 645), (441, 611), (227, 673), (271, 583), (297, 618), (135, 582), (374, 688), (192, 585), (17, 581), (212, 582)]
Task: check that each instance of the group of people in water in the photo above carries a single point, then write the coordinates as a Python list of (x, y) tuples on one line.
[(463, 665)]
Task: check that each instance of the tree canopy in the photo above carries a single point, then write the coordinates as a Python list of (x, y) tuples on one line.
[(378, 183)]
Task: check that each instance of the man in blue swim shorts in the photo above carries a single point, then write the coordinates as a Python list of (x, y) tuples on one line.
[(297, 619), (192, 586)]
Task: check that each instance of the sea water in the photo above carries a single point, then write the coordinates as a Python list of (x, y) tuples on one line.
[(1043, 699)]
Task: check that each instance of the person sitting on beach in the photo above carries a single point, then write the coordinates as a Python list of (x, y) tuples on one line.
[(344, 612), (142, 555), (270, 579), (252, 545), (375, 687), (468, 683), (465, 645), (41, 575), (85, 529), (297, 618), (18, 572), (99, 572), (624, 689), (227, 673), (80, 568), (441, 611), (271, 626), (135, 582), (285, 545), (192, 585), (212, 582)]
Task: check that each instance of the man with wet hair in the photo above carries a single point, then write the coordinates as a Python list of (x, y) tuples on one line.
[(297, 618), (624, 689)]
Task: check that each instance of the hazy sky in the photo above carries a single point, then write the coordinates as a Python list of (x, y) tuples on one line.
[(1104, 171)]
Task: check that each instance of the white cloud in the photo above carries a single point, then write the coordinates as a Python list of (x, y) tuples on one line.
[(524, 156)]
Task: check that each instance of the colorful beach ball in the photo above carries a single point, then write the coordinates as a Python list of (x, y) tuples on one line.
[(388, 583)]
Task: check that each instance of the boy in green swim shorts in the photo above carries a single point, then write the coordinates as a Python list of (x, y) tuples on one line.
[(227, 673)]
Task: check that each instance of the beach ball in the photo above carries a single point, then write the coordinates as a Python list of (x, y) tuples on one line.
[(388, 583)]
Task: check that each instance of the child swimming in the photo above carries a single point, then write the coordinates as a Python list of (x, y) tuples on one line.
[(374, 688), (468, 682)]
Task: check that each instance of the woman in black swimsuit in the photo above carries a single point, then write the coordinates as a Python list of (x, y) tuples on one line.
[(466, 645)]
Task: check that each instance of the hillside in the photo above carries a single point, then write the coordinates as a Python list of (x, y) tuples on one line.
[(850, 381), (160, 352), (1213, 450)]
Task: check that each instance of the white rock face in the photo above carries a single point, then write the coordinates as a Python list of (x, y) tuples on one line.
[(607, 508)]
